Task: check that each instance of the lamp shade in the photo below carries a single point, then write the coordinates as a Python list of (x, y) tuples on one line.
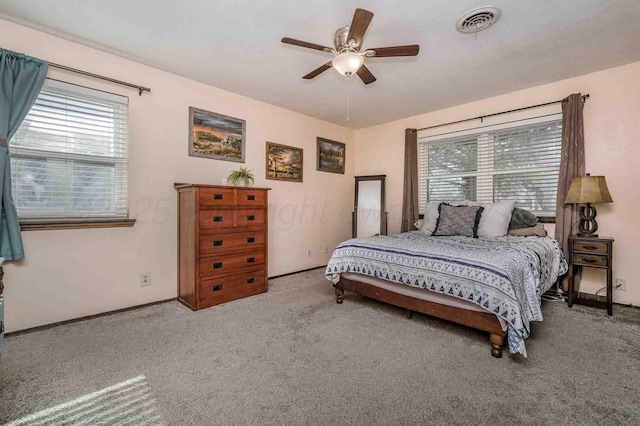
[(588, 189), (347, 63)]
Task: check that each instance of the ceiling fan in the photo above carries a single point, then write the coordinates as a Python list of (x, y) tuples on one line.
[(348, 42)]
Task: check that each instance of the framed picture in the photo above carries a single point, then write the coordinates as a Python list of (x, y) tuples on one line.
[(216, 136), (330, 156), (284, 162)]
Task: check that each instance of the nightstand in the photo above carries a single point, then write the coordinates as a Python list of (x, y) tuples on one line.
[(592, 253)]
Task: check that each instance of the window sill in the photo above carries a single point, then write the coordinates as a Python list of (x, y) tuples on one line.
[(541, 219), (50, 225)]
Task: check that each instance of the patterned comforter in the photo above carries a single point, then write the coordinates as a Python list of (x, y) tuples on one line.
[(505, 276)]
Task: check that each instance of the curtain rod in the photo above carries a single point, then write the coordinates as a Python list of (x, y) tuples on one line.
[(101, 77), (482, 117)]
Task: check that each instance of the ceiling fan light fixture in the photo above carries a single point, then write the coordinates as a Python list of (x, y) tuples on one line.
[(347, 63)]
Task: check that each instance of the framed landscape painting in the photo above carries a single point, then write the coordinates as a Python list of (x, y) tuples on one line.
[(216, 136), (284, 162), (330, 156)]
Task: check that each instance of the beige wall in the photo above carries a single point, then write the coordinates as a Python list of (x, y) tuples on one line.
[(612, 137), (68, 274)]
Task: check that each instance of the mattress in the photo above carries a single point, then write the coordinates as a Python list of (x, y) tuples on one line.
[(414, 292)]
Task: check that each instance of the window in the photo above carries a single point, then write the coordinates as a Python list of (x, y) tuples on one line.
[(69, 156), (504, 162)]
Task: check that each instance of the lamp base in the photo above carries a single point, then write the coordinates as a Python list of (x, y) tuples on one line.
[(587, 226), (581, 235)]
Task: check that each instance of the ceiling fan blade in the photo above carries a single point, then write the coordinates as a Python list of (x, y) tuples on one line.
[(317, 71), (361, 20), (365, 75), (306, 44), (382, 52)]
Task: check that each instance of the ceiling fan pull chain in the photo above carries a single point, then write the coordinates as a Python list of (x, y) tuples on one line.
[(348, 99)]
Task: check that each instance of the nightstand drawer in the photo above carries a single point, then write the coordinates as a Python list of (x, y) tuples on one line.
[(589, 260), (590, 247)]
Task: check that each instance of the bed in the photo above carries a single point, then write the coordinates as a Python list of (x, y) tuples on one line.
[(492, 284)]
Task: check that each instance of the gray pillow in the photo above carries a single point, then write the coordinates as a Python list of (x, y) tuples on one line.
[(458, 220), (534, 231), (521, 218)]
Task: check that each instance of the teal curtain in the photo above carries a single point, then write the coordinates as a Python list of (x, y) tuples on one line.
[(21, 79)]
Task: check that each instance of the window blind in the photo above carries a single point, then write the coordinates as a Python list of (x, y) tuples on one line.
[(506, 162), (69, 156)]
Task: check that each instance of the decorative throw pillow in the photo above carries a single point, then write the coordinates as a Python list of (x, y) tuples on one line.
[(458, 220), (418, 223), (521, 218), (431, 214), (495, 218), (533, 231)]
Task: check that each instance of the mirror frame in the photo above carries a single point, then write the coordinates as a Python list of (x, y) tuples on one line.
[(383, 212)]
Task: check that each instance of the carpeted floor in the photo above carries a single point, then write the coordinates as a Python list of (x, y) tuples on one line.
[(293, 356)]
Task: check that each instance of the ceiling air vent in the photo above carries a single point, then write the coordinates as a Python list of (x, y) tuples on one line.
[(478, 19)]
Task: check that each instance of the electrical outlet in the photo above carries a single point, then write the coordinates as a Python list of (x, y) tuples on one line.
[(326, 250), (145, 279), (308, 253), (621, 284)]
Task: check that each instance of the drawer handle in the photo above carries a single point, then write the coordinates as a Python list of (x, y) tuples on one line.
[(217, 243), (591, 247), (251, 259), (217, 265), (217, 218), (251, 217), (251, 197), (251, 280), (251, 239), (589, 260), (217, 196), (217, 287)]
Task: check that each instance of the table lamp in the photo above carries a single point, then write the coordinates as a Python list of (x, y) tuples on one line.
[(588, 190)]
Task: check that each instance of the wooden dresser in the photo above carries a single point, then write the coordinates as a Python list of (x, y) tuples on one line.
[(222, 243)]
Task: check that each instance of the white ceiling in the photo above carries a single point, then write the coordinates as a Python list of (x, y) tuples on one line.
[(235, 45)]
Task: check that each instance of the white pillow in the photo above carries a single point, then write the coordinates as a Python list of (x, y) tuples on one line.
[(417, 224), (495, 218), (430, 218)]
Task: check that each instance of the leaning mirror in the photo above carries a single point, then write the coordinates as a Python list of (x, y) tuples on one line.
[(369, 215)]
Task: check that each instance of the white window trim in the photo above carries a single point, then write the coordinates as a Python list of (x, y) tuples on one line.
[(52, 222), (484, 138), (491, 128)]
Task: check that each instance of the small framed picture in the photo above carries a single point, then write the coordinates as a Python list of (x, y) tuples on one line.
[(330, 156), (216, 136), (284, 162)]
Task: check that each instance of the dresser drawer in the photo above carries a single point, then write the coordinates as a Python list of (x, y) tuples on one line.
[(217, 197), (589, 260), (249, 197), (220, 243), (217, 219), (250, 217), (590, 247), (228, 264), (224, 289)]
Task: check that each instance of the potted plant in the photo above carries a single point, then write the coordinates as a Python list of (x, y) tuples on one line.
[(241, 177)]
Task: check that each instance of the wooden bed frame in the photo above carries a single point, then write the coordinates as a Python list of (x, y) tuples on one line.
[(475, 319)]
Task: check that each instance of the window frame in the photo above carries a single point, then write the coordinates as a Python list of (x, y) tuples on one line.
[(485, 168), (52, 222)]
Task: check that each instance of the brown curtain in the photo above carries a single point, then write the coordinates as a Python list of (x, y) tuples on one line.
[(410, 195), (571, 165)]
